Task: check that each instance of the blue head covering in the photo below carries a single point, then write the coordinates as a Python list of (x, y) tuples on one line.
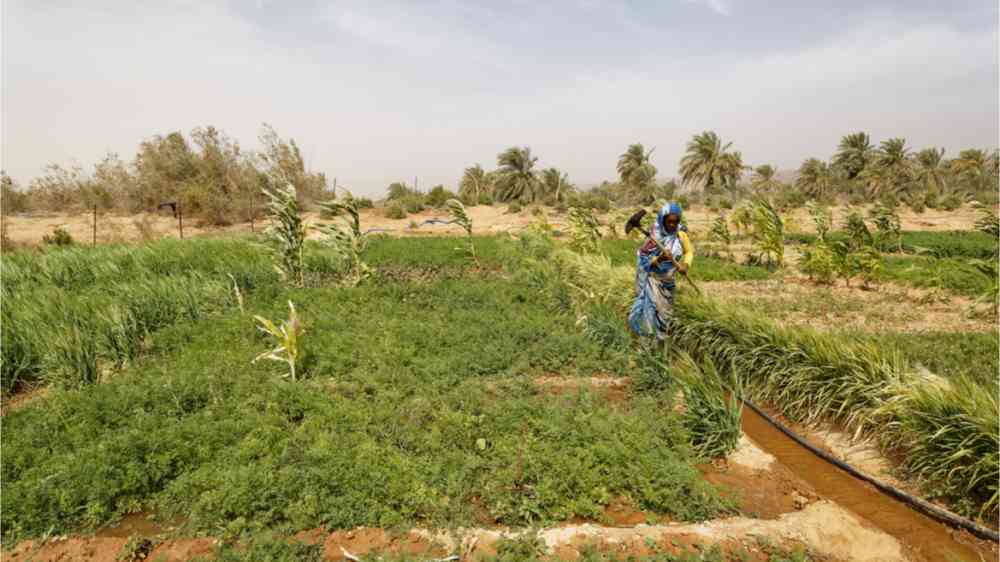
[(671, 208)]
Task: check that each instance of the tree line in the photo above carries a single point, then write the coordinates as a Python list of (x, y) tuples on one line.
[(213, 179)]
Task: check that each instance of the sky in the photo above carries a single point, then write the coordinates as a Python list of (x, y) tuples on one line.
[(383, 91)]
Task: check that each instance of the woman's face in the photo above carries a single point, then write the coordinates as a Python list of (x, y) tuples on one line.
[(670, 222)]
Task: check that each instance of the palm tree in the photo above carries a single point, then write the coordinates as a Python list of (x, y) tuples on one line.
[(853, 154), (763, 179), (815, 178), (634, 167), (976, 169), (890, 169), (707, 162), (930, 170), (475, 183), (556, 184), (516, 181)]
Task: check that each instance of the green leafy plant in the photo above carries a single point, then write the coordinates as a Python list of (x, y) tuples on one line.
[(286, 233), (822, 218), (769, 233), (461, 218), (584, 230), (819, 263), (887, 225), (395, 211), (713, 403), (719, 233), (59, 237), (347, 238), (289, 339)]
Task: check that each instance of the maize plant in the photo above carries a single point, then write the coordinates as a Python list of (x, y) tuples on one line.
[(818, 262), (286, 233), (461, 218), (719, 232), (857, 231), (743, 218), (347, 239), (889, 231), (769, 232), (584, 230), (288, 336), (822, 218)]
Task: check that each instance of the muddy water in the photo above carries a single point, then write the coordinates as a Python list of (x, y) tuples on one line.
[(925, 537)]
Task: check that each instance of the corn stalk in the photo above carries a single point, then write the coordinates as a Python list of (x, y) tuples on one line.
[(584, 230), (461, 218), (769, 232), (346, 238), (288, 335), (286, 233)]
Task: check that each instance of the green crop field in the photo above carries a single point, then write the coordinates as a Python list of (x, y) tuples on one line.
[(417, 397)]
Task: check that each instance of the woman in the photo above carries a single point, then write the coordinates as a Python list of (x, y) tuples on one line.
[(655, 275)]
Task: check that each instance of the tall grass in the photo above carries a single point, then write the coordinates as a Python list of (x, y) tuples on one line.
[(945, 432)]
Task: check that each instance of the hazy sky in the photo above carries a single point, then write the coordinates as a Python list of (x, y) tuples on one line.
[(380, 91)]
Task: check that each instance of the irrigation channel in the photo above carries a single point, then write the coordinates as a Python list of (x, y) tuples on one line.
[(929, 538)]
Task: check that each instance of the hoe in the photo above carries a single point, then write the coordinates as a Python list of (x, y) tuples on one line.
[(634, 224)]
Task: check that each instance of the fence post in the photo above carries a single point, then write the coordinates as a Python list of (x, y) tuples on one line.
[(95, 225), (180, 221)]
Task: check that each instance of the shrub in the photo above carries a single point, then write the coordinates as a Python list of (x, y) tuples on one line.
[(951, 202), (413, 203), (818, 263), (59, 237), (395, 211), (685, 202), (917, 205), (485, 199), (725, 203), (438, 197), (931, 199), (514, 208), (365, 203), (584, 229)]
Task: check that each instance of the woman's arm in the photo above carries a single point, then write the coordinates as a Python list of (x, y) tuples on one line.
[(687, 247)]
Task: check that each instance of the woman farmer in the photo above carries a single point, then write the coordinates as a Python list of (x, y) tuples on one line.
[(655, 275)]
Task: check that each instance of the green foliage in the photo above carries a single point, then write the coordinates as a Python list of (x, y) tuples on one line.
[(819, 262), (867, 387), (59, 237), (719, 231), (584, 230), (822, 219), (461, 218), (286, 234), (513, 208), (769, 233), (395, 211), (347, 239), (438, 196), (288, 337), (365, 203), (515, 177), (713, 403), (393, 442), (476, 186), (590, 200), (888, 229), (709, 163)]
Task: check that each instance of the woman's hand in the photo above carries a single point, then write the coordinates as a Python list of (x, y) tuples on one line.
[(682, 267)]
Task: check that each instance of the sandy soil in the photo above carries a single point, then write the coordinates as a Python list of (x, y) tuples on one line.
[(29, 230)]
